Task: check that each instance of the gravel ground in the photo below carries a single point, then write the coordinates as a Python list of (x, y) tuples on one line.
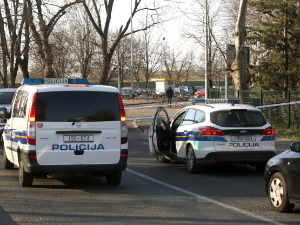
[(133, 111)]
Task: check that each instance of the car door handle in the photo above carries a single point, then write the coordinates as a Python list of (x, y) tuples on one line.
[(185, 131)]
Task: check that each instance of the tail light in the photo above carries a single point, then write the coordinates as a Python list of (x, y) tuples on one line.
[(268, 131), (124, 130), (211, 131), (31, 121)]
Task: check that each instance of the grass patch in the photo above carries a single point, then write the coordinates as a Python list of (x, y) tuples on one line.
[(283, 132)]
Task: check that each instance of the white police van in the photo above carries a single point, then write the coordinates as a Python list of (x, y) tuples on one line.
[(206, 134), (61, 127)]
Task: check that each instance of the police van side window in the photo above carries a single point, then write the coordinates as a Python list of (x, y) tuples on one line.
[(23, 105), (15, 108), (200, 116)]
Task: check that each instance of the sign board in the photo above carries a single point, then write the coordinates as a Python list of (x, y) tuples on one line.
[(56, 81), (231, 54)]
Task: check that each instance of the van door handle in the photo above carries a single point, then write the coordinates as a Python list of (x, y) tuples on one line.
[(185, 131), (78, 152)]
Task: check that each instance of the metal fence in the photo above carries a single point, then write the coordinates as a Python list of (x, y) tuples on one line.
[(283, 115)]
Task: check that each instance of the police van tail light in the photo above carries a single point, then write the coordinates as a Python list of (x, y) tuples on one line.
[(268, 131), (31, 122), (211, 131), (122, 110), (124, 133)]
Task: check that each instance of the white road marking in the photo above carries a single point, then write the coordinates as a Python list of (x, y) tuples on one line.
[(146, 143), (205, 199)]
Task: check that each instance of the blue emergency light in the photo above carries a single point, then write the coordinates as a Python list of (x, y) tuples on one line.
[(55, 81), (214, 101)]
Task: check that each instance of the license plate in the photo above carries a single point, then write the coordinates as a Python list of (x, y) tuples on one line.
[(78, 138), (243, 138)]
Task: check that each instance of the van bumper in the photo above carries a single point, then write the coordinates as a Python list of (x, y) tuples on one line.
[(31, 165)]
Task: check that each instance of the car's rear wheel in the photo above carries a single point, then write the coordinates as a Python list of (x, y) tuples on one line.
[(115, 178), (162, 159), (278, 194), (25, 179), (191, 161), (7, 164)]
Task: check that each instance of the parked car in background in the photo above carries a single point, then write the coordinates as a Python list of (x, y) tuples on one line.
[(200, 92), (180, 92), (188, 89), (126, 92), (146, 91), (6, 96), (198, 88), (137, 91)]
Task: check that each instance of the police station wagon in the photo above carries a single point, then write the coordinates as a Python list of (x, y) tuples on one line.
[(205, 134), (62, 127)]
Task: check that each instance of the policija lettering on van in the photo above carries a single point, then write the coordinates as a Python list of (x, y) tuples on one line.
[(238, 145), (78, 147)]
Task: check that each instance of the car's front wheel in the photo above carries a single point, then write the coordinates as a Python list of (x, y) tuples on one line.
[(7, 164), (162, 159), (191, 161), (278, 194)]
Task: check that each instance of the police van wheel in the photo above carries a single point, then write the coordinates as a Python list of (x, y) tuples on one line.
[(162, 159), (114, 179), (7, 164), (25, 179), (191, 161)]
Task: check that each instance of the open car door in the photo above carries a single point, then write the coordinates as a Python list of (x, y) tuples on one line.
[(159, 141)]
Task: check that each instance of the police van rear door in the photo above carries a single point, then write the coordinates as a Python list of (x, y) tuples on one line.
[(77, 125)]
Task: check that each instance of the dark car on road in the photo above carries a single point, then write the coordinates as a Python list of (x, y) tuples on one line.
[(282, 179)]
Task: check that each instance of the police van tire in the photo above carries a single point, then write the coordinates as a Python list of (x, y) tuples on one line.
[(162, 159), (114, 179), (191, 161), (7, 164), (25, 179)]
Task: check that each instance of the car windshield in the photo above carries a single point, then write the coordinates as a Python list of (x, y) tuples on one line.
[(81, 106), (6, 97), (238, 118)]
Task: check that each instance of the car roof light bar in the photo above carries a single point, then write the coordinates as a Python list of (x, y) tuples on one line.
[(214, 101), (54, 81)]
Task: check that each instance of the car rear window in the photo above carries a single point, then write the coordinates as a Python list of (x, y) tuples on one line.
[(239, 118), (6, 97), (79, 106)]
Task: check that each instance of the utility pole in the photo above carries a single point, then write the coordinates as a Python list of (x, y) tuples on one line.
[(206, 50), (132, 90)]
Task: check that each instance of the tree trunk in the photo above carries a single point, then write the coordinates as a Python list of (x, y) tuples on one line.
[(239, 65)]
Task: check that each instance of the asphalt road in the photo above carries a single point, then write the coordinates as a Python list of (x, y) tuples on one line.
[(150, 193)]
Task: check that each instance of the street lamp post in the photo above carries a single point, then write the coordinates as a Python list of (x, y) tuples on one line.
[(132, 91), (161, 56), (206, 51)]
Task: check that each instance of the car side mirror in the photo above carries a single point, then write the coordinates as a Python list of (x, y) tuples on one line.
[(295, 147), (3, 113)]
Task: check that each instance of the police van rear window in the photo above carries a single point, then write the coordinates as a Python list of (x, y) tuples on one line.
[(241, 118), (78, 106)]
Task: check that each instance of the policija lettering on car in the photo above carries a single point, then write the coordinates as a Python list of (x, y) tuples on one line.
[(236, 145), (77, 147)]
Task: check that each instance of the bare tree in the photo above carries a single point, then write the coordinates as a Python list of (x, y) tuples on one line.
[(36, 17), (239, 65), (102, 26), (11, 39)]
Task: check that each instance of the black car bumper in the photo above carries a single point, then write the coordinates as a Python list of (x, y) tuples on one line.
[(236, 157), (31, 165)]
